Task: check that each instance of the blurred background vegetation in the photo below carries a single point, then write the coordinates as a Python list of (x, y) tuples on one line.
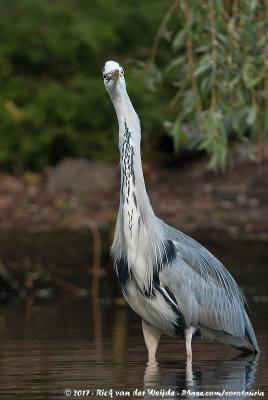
[(189, 64)]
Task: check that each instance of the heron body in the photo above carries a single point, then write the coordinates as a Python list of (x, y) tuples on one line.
[(175, 284)]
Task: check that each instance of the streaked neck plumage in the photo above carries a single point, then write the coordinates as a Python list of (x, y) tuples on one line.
[(132, 180), (138, 236)]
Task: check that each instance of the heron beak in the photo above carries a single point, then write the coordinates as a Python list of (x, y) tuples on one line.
[(115, 76)]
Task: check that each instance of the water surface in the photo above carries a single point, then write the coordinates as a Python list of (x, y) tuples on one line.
[(95, 347)]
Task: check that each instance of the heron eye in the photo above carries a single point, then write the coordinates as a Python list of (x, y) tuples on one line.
[(122, 72), (106, 76)]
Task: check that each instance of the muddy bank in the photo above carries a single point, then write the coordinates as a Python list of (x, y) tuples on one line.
[(186, 196)]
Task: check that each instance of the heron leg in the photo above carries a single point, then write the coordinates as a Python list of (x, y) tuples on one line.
[(151, 337), (188, 341), (189, 373)]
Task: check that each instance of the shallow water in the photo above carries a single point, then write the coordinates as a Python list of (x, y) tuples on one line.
[(93, 348)]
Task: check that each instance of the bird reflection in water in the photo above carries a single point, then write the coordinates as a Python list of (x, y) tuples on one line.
[(236, 375)]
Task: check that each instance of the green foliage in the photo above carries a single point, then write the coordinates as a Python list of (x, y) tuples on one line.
[(212, 61), (219, 67), (53, 102)]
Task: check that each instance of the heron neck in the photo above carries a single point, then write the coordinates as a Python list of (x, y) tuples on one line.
[(138, 235), (132, 179), (126, 114)]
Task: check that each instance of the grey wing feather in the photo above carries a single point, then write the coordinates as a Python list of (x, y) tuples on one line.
[(206, 292), (204, 263)]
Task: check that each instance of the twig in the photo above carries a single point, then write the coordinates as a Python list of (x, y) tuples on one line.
[(7, 278), (95, 269), (70, 287), (159, 33), (254, 100), (261, 132), (176, 97), (96, 258), (229, 47), (189, 47), (214, 53)]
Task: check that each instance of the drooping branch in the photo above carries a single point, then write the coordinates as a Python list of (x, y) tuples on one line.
[(214, 54), (160, 31), (189, 47)]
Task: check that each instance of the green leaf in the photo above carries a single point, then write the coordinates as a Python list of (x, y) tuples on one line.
[(223, 38), (201, 69), (176, 62), (245, 75), (252, 116), (178, 135), (179, 40), (205, 144), (213, 162), (255, 81), (202, 49)]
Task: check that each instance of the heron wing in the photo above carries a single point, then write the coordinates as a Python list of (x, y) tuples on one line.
[(205, 291)]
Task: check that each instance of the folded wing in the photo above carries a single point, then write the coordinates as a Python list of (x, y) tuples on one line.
[(206, 293)]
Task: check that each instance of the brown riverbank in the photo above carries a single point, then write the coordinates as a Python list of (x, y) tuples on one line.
[(187, 196)]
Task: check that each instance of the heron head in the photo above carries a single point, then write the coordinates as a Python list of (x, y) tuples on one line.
[(113, 76)]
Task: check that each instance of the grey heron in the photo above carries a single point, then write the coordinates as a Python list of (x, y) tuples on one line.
[(171, 281)]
